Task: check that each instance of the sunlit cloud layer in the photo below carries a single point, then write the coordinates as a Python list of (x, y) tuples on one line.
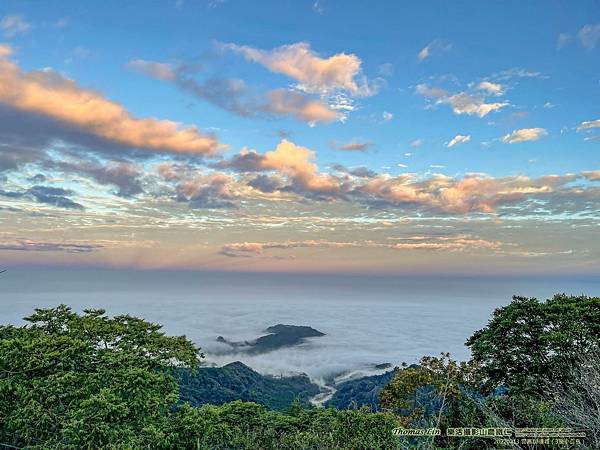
[(198, 145)]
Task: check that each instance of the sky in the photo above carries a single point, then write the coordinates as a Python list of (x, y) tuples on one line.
[(311, 136)]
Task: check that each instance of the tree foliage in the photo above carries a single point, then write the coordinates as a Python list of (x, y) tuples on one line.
[(529, 345), (87, 381)]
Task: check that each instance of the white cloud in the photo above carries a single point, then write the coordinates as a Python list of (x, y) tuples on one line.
[(589, 35), (416, 143), (563, 39), (317, 7), (492, 88), (340, 72), (434, 47), (387, 116), (524, 135), (462, 102), (588, 125), (458, 139)]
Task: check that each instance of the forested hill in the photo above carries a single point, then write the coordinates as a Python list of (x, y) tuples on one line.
[(236, 381)]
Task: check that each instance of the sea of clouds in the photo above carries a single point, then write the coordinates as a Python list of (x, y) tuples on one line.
[(367, 320)]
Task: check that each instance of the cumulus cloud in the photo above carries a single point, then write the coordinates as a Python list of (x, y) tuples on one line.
[(234, 96), (14, 25), (458, 139), (435, 47), (524, 135), (473, 193), (462, 102), (211, 191), (290, 160), (49, 94), (296, 162), (340, 72)]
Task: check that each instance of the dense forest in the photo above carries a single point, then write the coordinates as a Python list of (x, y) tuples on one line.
[(88, 381)]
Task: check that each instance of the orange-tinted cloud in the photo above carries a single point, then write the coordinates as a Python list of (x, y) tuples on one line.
[(232, 94), (49, 94), (314, 73)]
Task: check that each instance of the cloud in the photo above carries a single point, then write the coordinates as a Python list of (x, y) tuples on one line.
[(296, 162), (285, 102), (416, 143), (317, 7), (160, 71), (125, 176), (458, 139), (435, 243), (233, 95), (563, 40), (361, 171), (386, 70), (353, 146), (387, 116), (435, 47), (471, 194), (591, 175), (427, 91), (340, 72), (588, 125), (589, 35), (266, 183), (290, 160), (52, 196), (492, 88), (48, 94), (213, 191), (462, 102), (12, 26), (28, 245), (524, 135)]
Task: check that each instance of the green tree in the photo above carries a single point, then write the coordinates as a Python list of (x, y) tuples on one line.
[(528, 345), (88, 381)]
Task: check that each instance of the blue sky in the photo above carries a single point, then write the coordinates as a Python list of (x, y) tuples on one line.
[(422, 92)]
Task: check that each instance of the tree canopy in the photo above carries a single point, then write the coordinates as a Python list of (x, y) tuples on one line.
[(529, 345), (87, 381)]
